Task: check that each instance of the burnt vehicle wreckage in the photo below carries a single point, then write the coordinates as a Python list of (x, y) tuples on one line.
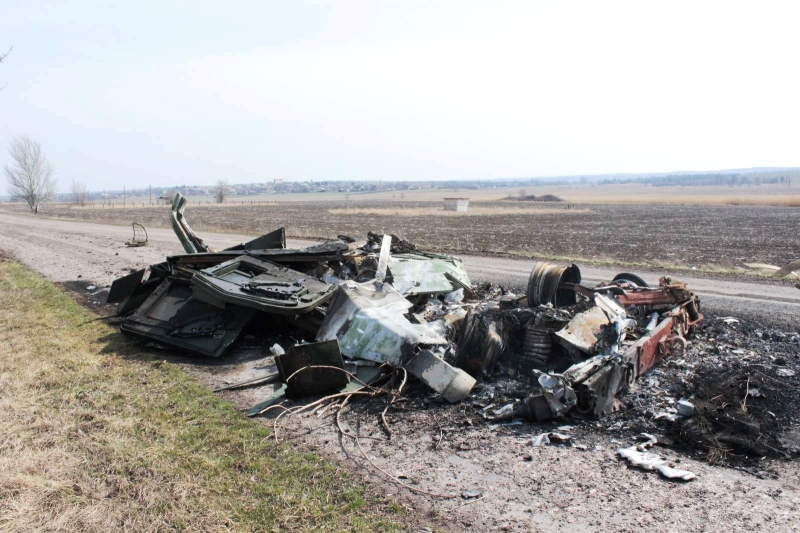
[(368, 315)]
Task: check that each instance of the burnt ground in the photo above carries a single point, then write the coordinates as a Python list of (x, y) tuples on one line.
[(659, 235), (482, 476)]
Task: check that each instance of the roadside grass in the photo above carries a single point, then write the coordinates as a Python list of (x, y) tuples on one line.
[(96, 435), (440, 212)]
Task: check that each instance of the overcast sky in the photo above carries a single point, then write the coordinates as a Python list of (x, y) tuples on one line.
[(167, 93)]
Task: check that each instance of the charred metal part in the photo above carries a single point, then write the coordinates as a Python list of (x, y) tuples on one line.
[(480, 343), (300, 368), (545, 285), (123, 287), (132, 290), (597, 393), (274, 240), (538, 345), (399, 246), (661, 342), (191, 242), (262, 285), (170, 315), (139, 236), (587, 332), (329, 251), (452, 383)]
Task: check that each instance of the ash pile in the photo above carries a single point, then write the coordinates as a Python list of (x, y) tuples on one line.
[(370, 316)]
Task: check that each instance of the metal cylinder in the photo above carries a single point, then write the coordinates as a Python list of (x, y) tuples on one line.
[(544, 282)]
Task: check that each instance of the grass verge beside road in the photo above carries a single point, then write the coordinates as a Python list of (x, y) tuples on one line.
[(97, 436)]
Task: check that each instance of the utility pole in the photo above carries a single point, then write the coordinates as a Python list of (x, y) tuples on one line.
[(151, 195), (124, 194)]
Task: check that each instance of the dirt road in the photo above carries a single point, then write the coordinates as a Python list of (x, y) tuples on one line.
[(69, 250)]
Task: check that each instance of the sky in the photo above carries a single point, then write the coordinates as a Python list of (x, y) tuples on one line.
[(169, 93)]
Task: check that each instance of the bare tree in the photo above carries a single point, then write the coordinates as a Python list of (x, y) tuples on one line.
[(79, 193), (523, 193), (2, 57), (31, 179), (221, 191)]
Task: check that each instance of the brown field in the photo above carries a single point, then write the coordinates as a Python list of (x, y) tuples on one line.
[(437, 211), (712, 237), (773, 195)]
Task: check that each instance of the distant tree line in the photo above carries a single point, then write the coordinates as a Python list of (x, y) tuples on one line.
[(729, 180)]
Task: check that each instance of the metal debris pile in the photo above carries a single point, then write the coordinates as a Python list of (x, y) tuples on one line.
[(365, 310)]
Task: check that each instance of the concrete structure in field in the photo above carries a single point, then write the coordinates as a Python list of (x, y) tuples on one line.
[(456, 204)]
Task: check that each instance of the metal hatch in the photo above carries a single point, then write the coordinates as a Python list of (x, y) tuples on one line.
[(172, 316), (261, 285)]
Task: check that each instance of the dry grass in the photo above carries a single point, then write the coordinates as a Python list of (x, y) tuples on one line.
[(96, 436), (440, 212)]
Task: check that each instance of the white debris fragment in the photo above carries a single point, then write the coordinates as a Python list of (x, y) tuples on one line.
[(685, 408), (383, 258), (91, 288), (277, 350), (547, 438), (730, 320), (638, 456), (492, 427), (454, 297), (785, 372), (504, 411), (541, 440), (561, 437)]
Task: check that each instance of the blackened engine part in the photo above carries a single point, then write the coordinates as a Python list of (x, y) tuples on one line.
[(545, 281), (481, 342), (538, 345)]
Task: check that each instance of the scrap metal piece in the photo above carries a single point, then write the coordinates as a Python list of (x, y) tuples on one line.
[(274, 240), (262, 285), (452, 383), (170, 315), (139, 236), (383, 258), (369, 321), (557, 392), (586, 332), (350, 298), (123, 287), (597, 393), (651, 349), (300, 368), (537, 347), (427, 274), (190, 242), (545, 285), (320, 253), (381, 335), (129, 292), (481, 341)]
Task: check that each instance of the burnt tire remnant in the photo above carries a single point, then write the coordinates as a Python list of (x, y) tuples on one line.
[(545, 284)]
